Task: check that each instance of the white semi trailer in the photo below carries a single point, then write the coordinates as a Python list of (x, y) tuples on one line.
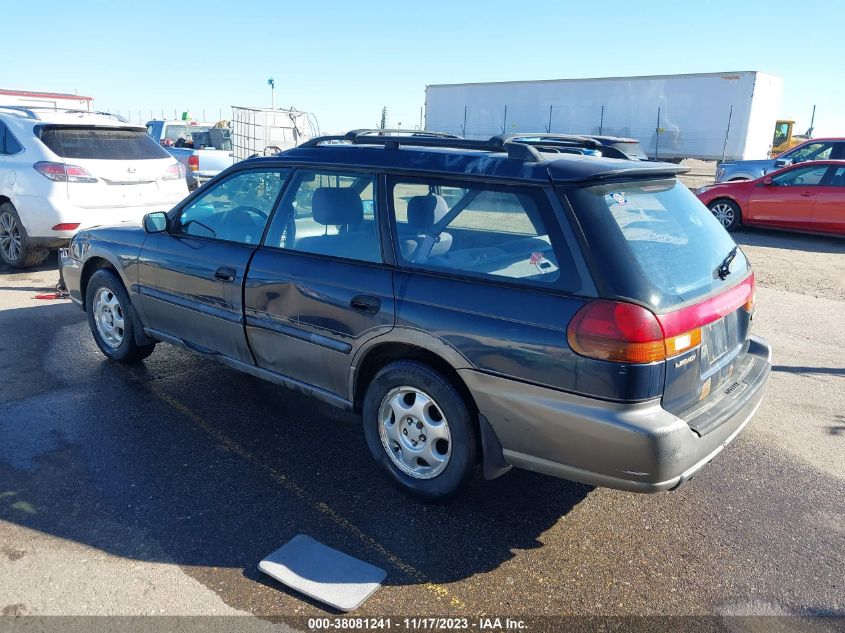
[(710, 116)]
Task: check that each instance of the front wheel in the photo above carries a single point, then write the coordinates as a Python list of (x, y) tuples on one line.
[(420, 430), (110, 318), (727, 212)]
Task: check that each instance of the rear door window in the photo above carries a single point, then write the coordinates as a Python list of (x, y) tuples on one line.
[(480, 230), (101, 143), (8, 143), (665, 232), (328, 213)]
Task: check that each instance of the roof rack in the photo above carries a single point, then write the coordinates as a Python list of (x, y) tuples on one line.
[(524, 147), (31, 112)]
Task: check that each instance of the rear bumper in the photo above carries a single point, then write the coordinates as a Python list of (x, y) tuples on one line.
[(40, 214), (638, 447)]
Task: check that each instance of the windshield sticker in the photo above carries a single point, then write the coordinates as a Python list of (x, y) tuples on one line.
[(620, 199)]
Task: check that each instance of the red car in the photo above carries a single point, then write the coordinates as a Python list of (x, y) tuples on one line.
[(804, 197)]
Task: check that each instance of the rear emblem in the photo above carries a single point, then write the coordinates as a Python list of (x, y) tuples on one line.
[(131, 170), (684, 361)]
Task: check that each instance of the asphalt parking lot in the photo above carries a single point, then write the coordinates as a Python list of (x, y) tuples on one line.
[(156, 489)]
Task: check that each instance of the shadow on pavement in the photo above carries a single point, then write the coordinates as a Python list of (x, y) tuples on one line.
[(834, 371), (98, 453), (748, 236)]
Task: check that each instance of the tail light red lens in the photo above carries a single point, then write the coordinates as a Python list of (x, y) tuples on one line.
[(59, 172), (66, 226), (175, 171), (616, 331), (194, 162), (629, 333)]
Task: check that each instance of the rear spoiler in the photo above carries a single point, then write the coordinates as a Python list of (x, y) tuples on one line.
[(659, 170)]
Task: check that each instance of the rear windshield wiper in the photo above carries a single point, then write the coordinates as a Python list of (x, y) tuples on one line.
[(724, 269)]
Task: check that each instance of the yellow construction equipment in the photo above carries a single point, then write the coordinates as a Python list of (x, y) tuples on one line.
[(784, 140)]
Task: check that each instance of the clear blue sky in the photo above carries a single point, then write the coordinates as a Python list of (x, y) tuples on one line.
[(345, 60)]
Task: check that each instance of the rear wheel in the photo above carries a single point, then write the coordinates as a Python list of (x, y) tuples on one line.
[(419, 429), (110, 318), (727, 212), (15, 247)]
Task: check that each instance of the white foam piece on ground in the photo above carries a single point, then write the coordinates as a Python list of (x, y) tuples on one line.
[(323, 573)]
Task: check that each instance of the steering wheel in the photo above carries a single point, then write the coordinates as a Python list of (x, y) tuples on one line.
[(243, 221)]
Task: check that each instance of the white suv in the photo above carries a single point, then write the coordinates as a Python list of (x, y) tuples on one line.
[(65, 170)]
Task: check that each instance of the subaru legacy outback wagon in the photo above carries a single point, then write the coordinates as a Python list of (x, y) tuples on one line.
[(480, 303)]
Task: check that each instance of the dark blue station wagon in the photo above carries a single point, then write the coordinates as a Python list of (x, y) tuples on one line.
[(482, 304)]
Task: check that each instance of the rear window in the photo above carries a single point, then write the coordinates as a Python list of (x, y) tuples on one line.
[(673, 239), (101, 143), (634, 150)]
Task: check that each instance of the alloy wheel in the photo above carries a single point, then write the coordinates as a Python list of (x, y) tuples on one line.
[(10, 237), (724, 213)]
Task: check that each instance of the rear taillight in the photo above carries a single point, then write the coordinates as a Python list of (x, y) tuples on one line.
[(175, 171), (194, 162), (629, 333), (66, 226), (624, 332), (59, 172)]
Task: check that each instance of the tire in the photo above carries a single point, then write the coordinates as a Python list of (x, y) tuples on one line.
[(430, 449), (727, 212), (107, 304), (15, 247)]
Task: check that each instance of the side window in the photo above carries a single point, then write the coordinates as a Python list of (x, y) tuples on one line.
[(235, 210), (8, 143), (811, 151), (479, 230), (328, 213), (801, 177), (838, 179)]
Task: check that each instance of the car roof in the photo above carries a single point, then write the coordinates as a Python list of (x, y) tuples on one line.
[(472, 159), (822, 139), (614, 139), (50, 116)]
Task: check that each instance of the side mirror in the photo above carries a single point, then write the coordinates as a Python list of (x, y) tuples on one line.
[(156, 222), (782, 162), (768, 181)]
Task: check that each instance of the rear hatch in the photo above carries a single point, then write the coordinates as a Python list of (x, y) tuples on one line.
[(673, 258), (125, 167)]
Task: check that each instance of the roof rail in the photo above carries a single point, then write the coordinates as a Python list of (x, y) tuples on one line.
[(31, 112), (525, 147), (354, 134), (20, 111)]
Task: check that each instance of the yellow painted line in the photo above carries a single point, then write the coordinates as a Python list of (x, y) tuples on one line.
[(441, 592)]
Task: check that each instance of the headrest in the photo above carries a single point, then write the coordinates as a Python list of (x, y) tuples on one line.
[(337, 205), (423, 211)]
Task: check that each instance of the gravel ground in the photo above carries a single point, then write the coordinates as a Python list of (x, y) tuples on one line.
[(158, 488)]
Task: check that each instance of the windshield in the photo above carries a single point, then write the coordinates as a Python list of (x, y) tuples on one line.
[(674, 240), (101, 143)]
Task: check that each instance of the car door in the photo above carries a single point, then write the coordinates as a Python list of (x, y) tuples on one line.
[(829, 210), (317, 288), (190, 278), (788, 199)]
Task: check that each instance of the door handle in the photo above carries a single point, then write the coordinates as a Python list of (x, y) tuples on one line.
[(366, 303), (806, 194), (225, 274)]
